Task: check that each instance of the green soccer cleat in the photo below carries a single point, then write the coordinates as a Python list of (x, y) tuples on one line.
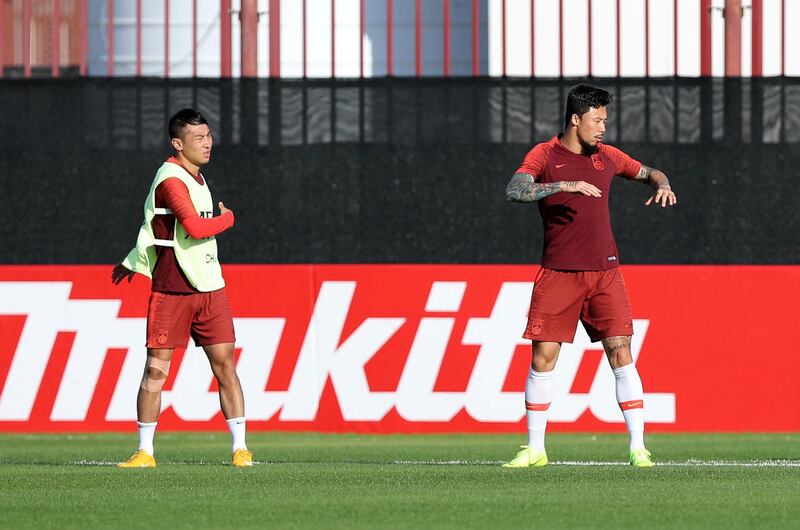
[(528, 458), (640, 458)]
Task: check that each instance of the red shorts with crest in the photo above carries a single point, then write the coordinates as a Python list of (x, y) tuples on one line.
[(560, 298), (172, 318)]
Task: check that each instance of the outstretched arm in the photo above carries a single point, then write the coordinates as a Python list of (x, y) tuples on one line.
[(522, 188), (660, 183)]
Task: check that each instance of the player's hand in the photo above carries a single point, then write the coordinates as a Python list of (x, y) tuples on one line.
[(582, 187), (121, 272), (222, 208), (664, 196)]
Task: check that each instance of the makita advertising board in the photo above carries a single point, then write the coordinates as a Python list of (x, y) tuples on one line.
[(402, 348)]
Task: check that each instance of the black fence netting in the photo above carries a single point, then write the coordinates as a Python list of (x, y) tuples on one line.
[(395, 170)]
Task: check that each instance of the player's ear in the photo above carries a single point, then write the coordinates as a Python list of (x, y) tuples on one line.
[(575, 120), (177, 144)]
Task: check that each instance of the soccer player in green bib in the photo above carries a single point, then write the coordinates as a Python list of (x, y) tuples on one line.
[(177, 249)]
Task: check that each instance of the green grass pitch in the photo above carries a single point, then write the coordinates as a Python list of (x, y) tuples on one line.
[(307, 481)]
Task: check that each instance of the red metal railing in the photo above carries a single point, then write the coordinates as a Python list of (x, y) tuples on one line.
[(166, 37), (225, 36), (588, 40), (110, 31), (418, 37), (758, 37), (476, 43), (17, 18), (503, 36), (26, 37), (647, 38), (138, 38), (705, 38), (274, 38), (783, 38), (362, 24), (446, 59), (84, 37), (618, 35), (55, 41), (389, 37)]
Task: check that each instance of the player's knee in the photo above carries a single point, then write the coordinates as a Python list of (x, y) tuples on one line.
[(155, 374), (225, 372), (541, 364), (545, 356)]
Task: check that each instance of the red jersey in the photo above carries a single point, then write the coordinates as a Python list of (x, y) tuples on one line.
[(577, 228), (173, 194)]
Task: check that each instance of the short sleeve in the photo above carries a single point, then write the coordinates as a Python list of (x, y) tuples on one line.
[(536, 160), (626, 166)]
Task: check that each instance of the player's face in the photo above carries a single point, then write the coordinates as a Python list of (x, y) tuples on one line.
[(592, 126), (195, 144)]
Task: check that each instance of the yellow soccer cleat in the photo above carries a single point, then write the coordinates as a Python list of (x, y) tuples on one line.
[(140, 458), (528, 458), (242, 458), (640, 458)]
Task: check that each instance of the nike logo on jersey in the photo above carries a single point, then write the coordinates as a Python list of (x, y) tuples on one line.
[(559, 166)]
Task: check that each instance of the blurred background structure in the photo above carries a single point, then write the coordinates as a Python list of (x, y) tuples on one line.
[(376, 38)]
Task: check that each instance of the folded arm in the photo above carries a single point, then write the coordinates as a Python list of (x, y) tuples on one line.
[(523, 188), (175, 195)]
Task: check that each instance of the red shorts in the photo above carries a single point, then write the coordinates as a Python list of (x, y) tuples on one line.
[(560, 298), (171, 318)]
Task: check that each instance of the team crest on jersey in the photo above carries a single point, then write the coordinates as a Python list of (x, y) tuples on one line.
[(536, 327), (163, 334), (597, 162)]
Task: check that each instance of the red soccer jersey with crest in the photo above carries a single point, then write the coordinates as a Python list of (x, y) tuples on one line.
[(577, 228)]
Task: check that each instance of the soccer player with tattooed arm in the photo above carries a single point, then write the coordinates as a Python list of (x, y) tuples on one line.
[(177, 249), (569, 177)]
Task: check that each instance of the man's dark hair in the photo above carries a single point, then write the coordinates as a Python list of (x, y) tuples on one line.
[(181, 119), (583, 97)]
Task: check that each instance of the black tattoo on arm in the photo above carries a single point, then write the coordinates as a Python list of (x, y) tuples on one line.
[(522, 188), (655, 178), (644, 174)]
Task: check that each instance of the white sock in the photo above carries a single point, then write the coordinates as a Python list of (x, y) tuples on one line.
[(538, 394), (146, 433), (237, 427), (630, 397)]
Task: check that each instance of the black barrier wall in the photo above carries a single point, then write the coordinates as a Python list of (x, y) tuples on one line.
[(399, 170)]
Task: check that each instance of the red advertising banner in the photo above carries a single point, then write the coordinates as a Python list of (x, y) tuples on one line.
[(402, 348)]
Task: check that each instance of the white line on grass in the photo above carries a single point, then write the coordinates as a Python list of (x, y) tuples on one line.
[(572, 463), (189, 463), (590, 463)]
